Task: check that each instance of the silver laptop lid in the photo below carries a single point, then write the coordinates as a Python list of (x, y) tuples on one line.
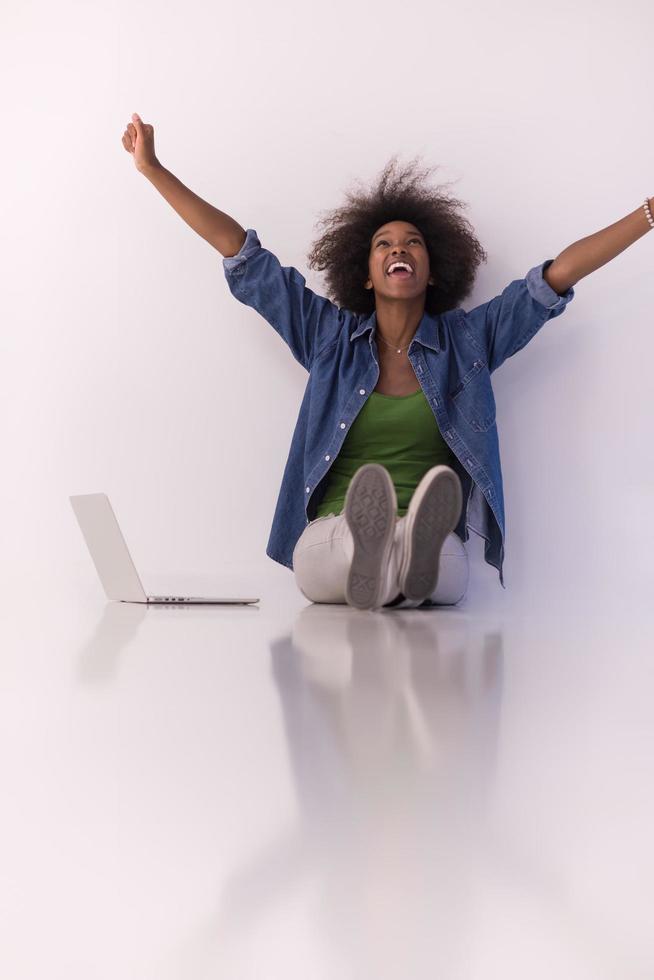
[(107, 546)]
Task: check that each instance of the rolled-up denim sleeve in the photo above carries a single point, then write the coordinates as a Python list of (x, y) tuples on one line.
[(305, 321), (505, 324)]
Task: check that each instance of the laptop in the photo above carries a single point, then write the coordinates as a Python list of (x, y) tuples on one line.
[(112, 559)]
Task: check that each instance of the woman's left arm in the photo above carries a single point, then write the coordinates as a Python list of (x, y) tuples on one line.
[(588, 254)]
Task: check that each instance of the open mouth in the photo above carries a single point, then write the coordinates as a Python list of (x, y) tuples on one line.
[(400, 268)]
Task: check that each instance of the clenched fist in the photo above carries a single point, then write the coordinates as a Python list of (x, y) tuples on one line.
[(138, 139)]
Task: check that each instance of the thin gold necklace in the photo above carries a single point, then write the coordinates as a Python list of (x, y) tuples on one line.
[(398, 350)]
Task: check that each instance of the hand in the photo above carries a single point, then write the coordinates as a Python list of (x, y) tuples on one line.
[(138, 139)]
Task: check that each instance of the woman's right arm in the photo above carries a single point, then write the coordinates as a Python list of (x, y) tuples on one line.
[(308, 323), (216, 227)]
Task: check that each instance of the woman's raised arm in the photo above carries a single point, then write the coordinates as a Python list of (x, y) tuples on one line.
[(219, 229)]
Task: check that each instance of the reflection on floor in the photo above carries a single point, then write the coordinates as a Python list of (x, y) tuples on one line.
[(299, 790)]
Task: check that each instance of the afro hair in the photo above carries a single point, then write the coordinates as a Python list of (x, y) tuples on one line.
[(343, 250)]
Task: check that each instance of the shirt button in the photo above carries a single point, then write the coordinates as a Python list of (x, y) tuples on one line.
[(419, 370), (362, 391), (342, 425), (327, 457), (468, 462), (307, 489)]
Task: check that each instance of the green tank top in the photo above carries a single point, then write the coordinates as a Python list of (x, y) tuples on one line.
[(398, 431)]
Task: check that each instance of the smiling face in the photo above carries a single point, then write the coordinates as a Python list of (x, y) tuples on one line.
[(393, 242)]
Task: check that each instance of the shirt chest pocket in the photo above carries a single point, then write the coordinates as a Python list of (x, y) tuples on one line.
[(473, 397)]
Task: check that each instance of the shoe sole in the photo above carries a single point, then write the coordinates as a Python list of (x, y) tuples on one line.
[(370, 510), (433, 513)]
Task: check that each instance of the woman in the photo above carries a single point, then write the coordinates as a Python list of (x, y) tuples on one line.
[(395, 454)]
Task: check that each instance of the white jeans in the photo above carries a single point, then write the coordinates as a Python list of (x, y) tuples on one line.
[(323, 554)]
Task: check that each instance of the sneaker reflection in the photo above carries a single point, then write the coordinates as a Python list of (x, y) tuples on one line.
[(392, 726)]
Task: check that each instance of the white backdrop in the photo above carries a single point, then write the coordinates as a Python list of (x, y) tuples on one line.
[(127, 366)]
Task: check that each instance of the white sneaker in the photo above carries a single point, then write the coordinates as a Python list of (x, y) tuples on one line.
[(432, 514), (370, 510)]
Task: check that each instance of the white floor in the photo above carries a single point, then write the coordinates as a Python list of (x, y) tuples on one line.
[(302, 791)]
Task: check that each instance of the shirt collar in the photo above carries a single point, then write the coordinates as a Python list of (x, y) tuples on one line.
[(426, 334)]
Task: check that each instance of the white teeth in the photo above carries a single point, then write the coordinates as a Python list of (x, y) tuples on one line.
[(400, 265)]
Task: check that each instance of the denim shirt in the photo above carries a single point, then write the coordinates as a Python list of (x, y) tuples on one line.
[(453, 355)]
